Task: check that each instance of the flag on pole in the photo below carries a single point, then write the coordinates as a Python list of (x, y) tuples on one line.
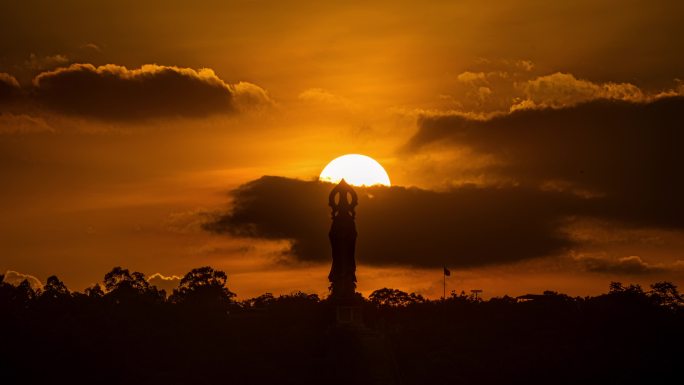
[(446, 272)]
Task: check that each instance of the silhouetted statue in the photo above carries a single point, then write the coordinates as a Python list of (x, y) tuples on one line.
[(342, 236)]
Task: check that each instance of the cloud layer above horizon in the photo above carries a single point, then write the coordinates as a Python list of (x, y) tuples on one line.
[(116, 93), (405, 226), (609, 160), (532, 139), (627, 153)]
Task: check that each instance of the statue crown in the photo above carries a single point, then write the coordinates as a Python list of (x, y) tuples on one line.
[(343, 205)]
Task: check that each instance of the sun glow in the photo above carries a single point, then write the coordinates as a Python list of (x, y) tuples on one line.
[(356, 169)]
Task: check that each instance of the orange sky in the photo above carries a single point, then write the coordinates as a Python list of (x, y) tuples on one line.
[(124, 127)]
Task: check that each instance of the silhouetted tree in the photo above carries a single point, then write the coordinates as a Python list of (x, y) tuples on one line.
[(615, 287), (122, 285), (261, 301), (55, 289), (94, 292), (6, 291), (666, 294), (119, 278), (25, 292), (632, 289), (298, 297), (625, 336), (505, 300), (203, 286), (462, 296), (394, 297)]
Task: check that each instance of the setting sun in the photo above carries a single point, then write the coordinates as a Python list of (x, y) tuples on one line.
[(356, 169)]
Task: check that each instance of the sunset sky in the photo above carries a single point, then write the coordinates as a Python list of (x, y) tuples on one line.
[(531, 145)]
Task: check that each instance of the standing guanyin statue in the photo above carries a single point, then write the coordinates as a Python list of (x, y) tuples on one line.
[(342, 236)]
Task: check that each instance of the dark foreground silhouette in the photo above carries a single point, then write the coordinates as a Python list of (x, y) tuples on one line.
[(129, 332)]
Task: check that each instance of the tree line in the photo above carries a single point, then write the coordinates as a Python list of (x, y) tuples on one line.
[(125, 330), (205, 286)]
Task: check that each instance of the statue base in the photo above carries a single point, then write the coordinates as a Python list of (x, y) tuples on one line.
[(349, 315), (348, 308)]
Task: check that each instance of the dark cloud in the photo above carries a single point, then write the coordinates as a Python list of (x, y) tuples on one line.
[(632, 265), (13, 124), (628, 153), (152, 91), (511, 85), (468, 226), (40, 63), (9, 88), (186, 222), (113, 92)]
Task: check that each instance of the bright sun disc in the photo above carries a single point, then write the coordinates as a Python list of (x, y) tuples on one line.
[(356, 169)]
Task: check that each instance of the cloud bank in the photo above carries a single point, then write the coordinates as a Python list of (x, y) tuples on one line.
[(468, 226), (631, 265), (496, 89), (11, 124), (9, 88), (628, 153), (611, 160), (116, 93), (559, 90)]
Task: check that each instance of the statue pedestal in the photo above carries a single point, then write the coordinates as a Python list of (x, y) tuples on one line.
[(348, 315), (348, 310)]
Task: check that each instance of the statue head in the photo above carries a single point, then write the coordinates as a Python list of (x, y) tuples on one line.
[(347, 201)]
